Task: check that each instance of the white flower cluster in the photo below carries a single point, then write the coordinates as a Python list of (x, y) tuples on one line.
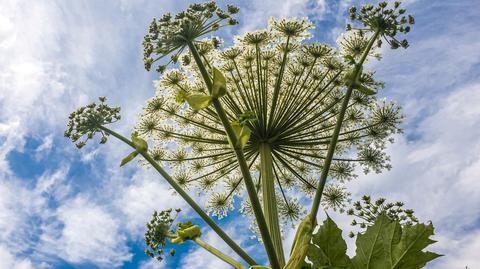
[(292, 92)]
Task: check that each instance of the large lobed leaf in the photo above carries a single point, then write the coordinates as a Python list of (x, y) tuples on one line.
[(328, 249), (385, 245)]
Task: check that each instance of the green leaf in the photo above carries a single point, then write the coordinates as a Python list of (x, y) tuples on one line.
[(219, 87), (181, 96), (365, 90), (199, 101), (408, 253), (190, 232), (370, 251), (185, 231), (328, 249), (130, 157), (140, 144), (242, 132), (385, 245)]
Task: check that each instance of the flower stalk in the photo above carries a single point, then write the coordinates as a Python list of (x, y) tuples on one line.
[(249, 184), (269, 200), (222, 256), (340, 119), (186, 197)]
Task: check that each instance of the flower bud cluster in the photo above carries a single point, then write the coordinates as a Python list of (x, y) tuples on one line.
[(158, 232), (86, 121), (171, 34), (388, 22), (366, 211)]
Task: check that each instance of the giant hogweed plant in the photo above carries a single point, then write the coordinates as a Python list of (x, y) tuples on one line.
[(273, 121)]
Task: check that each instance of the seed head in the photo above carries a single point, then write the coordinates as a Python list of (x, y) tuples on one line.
[(388, 22), (169, 35), (158, 233), (367, 210), (86, 121)]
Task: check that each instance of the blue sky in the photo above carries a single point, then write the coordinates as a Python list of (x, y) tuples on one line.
[(64, 208)]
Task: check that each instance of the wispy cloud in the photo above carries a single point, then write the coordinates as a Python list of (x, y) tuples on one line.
[(8, 260), (86, 232), (255, 14), (57, 55)]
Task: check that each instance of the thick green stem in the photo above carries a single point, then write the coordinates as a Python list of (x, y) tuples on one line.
[(242, 162), (222, 256), (187, 198), (269, 200), (336, 132)]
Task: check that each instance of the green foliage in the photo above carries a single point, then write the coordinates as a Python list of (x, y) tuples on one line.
[(389, 22), (169, 34), (129, 157), (160, 233), (199, 101), (219, 87), (140, 146), (181, 96), (242, 132), (328, 249), (384, 245), (186, 231)]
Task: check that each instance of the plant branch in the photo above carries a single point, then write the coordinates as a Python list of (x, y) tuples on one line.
[(250, 186), (187, 198), (336, 132), (270, 201), (224, 257)]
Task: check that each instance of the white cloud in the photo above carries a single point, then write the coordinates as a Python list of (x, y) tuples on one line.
[(88, 233), (199, 258), (23, 209), (465, 254), (153, 264), (138, 200), (254, 14), (15, 205), (436, 165), (8, 260), (45, 147), (55, 56), (437, 174)]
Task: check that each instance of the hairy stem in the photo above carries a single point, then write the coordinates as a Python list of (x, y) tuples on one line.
[(269, 200), (222, 256), (187, 198), (336, 132), (249, 184)]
